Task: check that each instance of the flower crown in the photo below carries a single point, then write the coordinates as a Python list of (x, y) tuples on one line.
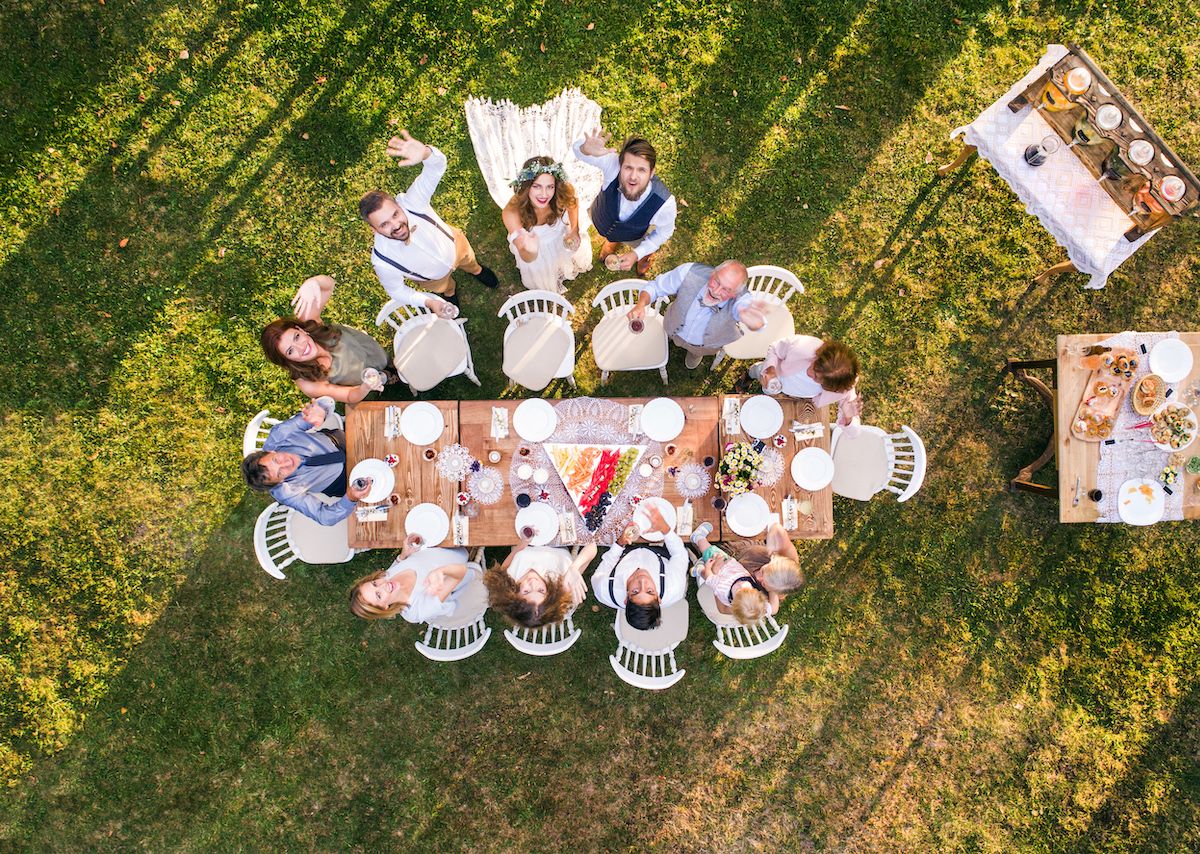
[(534, 169)]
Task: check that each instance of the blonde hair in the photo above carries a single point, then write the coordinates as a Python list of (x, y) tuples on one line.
[(782, 574), (366, 611), (749, 605)]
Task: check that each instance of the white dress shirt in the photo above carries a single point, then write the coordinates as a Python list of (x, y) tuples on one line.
[(698, 313), (429, 252), (672, 585), (662, 224)]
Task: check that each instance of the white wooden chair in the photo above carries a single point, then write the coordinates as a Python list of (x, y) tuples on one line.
[(545, 640), (539, 343), (873, 461), (282, 536), (260, 425), (463, 633), (615, 346), (426, 348), (646, 659), (735, 640), (775, 286)]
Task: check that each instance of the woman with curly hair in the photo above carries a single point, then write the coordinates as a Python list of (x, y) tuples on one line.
[(324, 358), (538, 585), (542, 219)]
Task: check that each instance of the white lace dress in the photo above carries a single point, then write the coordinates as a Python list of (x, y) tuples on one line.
[(505, 136)]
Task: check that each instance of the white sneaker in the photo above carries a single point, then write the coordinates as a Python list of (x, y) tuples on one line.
[(693, 361), (755, 370), (701, 532)]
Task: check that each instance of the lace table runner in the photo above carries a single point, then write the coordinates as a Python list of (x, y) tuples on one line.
[(1133, 455)]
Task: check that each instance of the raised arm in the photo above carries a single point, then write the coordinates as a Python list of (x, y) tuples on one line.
[(663, 287), (340, 393), (409, 152), (593, 149), (522, 239), (441, 582), (779, 543), (312, 297)]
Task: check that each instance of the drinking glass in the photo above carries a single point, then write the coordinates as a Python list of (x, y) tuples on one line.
[(1036, 154), (1078, 80)]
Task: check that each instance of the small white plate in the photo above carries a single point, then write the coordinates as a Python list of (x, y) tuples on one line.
[(812, 469), (642, 518), (428, 520), (1136, 507), (762, 416), (382, 478), (1171, 359), (747, 514), (534, 420), (662, 419), (421, 423), (542, 518)]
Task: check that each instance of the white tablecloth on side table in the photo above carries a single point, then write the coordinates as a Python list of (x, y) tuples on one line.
[(1061, 193)]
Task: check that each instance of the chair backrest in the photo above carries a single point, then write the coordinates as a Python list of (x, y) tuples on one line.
[(735, 640), (256, 432), (650, 669), (535, 302), (776, 281), (396, 314), (545, 640), (622, 295), (465, 633), (906, 463), (272, 546)]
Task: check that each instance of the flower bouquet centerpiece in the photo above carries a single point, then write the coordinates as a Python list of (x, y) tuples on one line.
[(739, 469)]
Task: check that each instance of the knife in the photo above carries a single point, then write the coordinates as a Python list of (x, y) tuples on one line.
[(1078, 492)]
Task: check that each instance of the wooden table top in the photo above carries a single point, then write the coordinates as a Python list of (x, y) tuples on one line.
[(1080, 460), (820, 525)]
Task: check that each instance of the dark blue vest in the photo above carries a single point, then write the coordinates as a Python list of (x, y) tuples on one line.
[(606, 208)]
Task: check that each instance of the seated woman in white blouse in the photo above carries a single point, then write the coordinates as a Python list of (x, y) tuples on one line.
[(538, 585), (420, 585)]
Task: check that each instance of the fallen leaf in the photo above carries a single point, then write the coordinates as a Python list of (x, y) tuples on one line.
[(176, 103), (141, 97), (221, 252), (150, 69), (220, 409), (122, 710), (104, 314), (595, 609), (424, 59), (957, 22), (543, 46), (735, 93), (591, 26), (322, 79), (523, 675), (805, 206), (112, 144), (304, 135), (393, 122), (662, 85), (332, 161), (928, 156), (441, 90), (783, 78), (880, 263), (841, 107), (183, 54), (123, 242), (684, 203)]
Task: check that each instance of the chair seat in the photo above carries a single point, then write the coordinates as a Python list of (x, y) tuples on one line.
[(472, 601), (616, 348), (535, 349), (708, 604), (860, 464), (315, 543), (427, 353), (753, 345), (672, 630)]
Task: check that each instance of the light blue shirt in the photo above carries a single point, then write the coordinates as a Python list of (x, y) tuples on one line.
[(301, 490), (698, 314)]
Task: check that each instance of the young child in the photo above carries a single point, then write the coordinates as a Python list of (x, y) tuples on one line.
[(771, 571)]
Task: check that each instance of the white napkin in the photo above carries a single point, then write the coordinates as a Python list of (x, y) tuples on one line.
[(684, 519), (499, 422), (566, 529), (790, 514), (462, 529), (372, 513), (732, 413), (634, 424)]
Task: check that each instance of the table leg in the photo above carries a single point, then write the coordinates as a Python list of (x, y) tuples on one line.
[(1055, 270), (1023, 482), (963, 153)]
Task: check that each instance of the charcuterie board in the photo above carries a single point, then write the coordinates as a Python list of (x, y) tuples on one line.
[(1110, 380)]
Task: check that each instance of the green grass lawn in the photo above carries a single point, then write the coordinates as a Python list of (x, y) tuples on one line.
[(962, 672)]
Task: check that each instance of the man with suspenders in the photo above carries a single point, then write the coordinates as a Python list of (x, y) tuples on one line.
[(643, 578), (413, 245)]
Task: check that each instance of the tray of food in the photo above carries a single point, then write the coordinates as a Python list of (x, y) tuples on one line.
[(1103, 393), (1149, 393), (1172, 427)]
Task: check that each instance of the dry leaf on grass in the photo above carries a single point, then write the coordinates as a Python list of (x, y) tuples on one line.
[(183, 54), (591, 26), (123, 242)]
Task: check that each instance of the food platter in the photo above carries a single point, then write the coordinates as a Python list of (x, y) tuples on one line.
[(1103, 393), (1172, 427), (1148, 394)]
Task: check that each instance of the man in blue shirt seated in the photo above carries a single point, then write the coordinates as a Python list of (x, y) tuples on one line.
[(299, 467)]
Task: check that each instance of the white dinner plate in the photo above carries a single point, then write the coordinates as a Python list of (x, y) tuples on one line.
[(812, 469), (1141, 501), (662, 419), (542, 518), (382, 478), (1192, 418), (534, 420), (762, 416), (642, 519), (421, 423), (1171, 359), (747, 514), (428, 520)]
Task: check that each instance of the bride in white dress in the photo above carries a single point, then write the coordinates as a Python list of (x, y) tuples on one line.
[(546, 233)]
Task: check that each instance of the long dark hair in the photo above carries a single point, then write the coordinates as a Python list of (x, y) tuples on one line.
[(322, 333), (504, 594), (563, 198)]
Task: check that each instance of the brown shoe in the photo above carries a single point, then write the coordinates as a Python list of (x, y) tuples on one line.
[(644, 265), (608, 248)]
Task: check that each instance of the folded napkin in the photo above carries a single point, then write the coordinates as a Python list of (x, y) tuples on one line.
[(634, 424), (499, 422)]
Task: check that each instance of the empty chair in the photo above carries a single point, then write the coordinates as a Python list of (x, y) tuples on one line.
[(260, 425), (464, 632), (539, 343), (427, 348), (545, 640), (735, 640), (283, 536), (874, 461), (615, 346), (646, 659), (776, 287)]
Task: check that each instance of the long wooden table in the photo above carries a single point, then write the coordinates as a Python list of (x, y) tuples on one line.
[(1079, 460), (469, 423)]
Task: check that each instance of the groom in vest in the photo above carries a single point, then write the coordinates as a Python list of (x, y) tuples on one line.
[(634, 207), (707, 303), (412, 243)]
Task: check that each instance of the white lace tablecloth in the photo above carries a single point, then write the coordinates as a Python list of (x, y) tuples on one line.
[(1132, 456), (1061, 193)]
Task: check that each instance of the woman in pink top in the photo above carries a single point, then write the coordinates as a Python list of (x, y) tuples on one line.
[(805, 366)]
